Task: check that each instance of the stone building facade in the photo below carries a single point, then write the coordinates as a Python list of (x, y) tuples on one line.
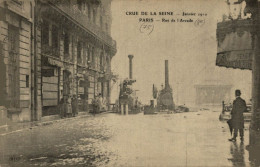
[(69, 53), (16, 28)]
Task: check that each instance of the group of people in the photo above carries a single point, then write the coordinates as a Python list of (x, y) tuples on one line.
[(68, 107), (98, 104)]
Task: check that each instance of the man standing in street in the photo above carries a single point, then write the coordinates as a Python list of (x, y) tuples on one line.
[(237, 118)]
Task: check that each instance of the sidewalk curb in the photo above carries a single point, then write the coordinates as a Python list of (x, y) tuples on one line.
[(31, 125)]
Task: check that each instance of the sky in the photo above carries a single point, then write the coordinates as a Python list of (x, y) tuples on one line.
[(191, 50)]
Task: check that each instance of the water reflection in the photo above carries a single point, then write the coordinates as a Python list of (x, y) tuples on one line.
[(237, 151)]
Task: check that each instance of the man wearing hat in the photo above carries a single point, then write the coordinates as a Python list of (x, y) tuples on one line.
[(237, 118)]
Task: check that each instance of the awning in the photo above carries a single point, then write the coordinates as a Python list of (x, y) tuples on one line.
[(55, 62), (241, 59), (51, 61), (235, 44), (107, 77)]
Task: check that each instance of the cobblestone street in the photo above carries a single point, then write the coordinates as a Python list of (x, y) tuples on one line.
[(183, 139)]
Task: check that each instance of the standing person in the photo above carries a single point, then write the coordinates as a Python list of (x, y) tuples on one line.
[(237, 118), (100, 102), (68, 107), (95, 105), (74, 104), (61, 108)]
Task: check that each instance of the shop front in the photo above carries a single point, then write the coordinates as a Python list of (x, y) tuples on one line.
[(51, 76), (82, 90)]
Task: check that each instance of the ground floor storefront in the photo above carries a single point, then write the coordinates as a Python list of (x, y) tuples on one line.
[(61, 82)]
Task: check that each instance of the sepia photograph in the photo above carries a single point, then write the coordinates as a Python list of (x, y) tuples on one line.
[(130, 83)]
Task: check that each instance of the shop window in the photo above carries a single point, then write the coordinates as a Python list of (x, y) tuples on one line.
[(47, 72), (66, 44), (27, 81)]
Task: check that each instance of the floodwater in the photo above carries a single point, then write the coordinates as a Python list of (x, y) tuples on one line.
[(183, 139)]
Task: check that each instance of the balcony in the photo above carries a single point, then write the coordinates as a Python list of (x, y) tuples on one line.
[(81, 19)]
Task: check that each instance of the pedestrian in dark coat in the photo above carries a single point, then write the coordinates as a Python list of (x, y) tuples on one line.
[(74, 104), (62, 108), (237, 118)]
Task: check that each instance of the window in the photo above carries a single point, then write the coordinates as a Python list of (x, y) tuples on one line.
[(79, 48), (31, 10), (27, 81), (108, 89), (66, 44), (89, 12), (102, 89), (13, 69), (101, 61), (47, 72), (45, 33), (13, 39), (94, 16), (89, 55), (93, 55), (55, 37), (106, 27), (79, 2), (101, 22), (84, 7)]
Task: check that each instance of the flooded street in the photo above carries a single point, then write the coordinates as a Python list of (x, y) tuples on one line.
[(183, 139)]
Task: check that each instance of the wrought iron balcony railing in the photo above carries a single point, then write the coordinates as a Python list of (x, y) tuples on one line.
[(83, 20)]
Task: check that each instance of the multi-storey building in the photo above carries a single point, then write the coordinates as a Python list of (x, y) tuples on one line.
[(69, 53), (238, 47), (16, 28)]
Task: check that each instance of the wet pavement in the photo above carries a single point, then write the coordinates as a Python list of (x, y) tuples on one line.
[(183, 139)]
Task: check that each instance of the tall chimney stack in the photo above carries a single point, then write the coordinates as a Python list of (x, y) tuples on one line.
[(166, 74), (130, 66)]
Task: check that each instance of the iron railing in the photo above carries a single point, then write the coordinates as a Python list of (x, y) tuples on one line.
[(76, 15)]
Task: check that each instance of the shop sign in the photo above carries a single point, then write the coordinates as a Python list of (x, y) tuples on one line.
[(55, 62), (241, 59)]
